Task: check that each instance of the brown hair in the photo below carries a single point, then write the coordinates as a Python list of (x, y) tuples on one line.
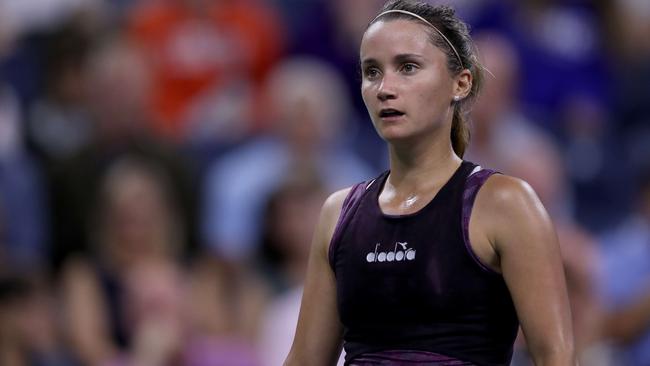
[(457, 32)]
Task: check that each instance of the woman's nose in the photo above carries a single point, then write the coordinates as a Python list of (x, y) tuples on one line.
[(386, 89)]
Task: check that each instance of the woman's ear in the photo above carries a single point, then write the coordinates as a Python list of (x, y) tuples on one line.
[(463, 83)]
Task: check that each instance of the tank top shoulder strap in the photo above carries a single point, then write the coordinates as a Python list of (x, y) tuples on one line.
[(473, 184), (348, 210)]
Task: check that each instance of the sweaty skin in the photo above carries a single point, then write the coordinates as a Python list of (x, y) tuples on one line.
[(510, 231)]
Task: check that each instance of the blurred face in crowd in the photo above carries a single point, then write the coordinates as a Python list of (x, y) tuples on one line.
[(118, 85), (307, 102), (138, 221), (499, 94), (406, 84)]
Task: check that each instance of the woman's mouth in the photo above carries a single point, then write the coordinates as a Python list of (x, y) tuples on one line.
[(390, 113)]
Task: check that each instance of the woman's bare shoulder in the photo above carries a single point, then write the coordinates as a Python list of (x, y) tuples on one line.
[(509, 210), (332, 209), (334, 202), (504, 192)]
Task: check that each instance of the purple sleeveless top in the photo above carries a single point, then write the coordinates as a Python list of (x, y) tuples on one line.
[(410, 290)]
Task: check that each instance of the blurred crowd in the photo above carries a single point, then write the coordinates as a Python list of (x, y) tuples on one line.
[(163, 164)]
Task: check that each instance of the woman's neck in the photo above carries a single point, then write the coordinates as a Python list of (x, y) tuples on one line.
[(415, 167)]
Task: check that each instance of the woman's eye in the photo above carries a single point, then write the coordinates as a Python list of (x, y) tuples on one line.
[(409, 68), (372, 73)]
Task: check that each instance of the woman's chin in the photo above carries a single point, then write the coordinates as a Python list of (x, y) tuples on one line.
[(394, 135)]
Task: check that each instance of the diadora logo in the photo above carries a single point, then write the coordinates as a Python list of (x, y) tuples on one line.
[(399, 253)]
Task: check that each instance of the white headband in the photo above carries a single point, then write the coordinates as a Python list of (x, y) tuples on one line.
[(427, 22)]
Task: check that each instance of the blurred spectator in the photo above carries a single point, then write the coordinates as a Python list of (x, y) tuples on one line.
[(58, 122), (28, 15), (225, 313), (290, 219), (200, 53), (595, 164), (498, 119), (118, 87), (628, 22), (22, 193), (559, 46), (124, 301), (29, 335), (625, 280), (309, 109), (561, 39), (134, 301), (24, 25), (331, 31)]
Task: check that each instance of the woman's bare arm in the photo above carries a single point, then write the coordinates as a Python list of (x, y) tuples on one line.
[(514, 222), (86, 314), (318, 335)]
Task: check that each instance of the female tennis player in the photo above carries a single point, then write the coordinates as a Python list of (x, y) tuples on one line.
[(437, 261)]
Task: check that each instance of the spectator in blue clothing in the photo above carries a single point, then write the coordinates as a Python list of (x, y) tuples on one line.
[(21, 192), (625, 281), (309, 108)]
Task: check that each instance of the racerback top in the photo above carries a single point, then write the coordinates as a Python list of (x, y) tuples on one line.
[(412, 282)]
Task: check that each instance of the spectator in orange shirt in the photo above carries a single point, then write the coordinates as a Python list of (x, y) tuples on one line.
[(201, 50)]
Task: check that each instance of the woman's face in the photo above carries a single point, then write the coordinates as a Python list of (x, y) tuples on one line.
[(406, 84)]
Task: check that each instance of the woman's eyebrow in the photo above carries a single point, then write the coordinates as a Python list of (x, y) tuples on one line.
[(402, 57), (399, 58), (368, 61)]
